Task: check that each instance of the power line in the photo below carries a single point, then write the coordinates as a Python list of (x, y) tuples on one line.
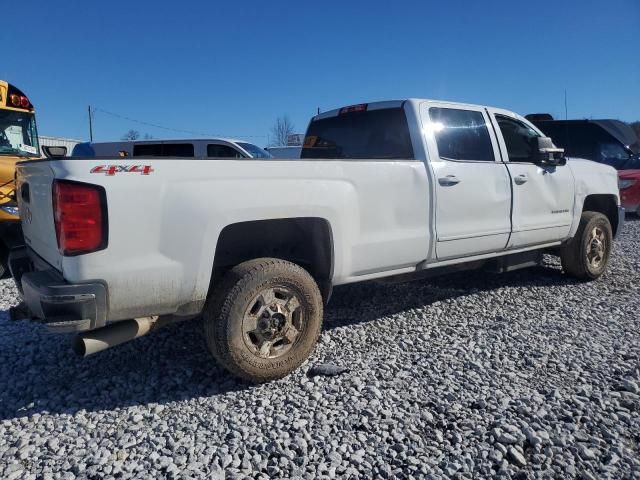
[(178, 130)]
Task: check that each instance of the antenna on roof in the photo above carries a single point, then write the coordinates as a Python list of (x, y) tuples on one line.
[(90, 125), (566, 116)]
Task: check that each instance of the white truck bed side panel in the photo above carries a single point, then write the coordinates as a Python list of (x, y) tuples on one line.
[(163, 227)]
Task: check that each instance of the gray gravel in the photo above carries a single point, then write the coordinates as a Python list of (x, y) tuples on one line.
[(523, 375)]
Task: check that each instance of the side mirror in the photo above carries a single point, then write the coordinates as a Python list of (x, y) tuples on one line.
[(54, 152), (545, 153)]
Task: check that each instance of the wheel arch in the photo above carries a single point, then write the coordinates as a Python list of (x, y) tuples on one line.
[(606, 204), (306, 241)]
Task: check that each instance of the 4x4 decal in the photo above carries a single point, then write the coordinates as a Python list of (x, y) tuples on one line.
[(113, 169)]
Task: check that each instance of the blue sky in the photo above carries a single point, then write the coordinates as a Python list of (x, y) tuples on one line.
[(231, 68)]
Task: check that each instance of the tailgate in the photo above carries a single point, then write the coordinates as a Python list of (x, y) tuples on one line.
[(33, 191)]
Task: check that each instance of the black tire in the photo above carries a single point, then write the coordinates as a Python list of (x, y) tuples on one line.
[(577, 255), (4, 262), (242, 299)]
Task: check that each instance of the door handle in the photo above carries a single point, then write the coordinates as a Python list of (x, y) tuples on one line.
[(448, 181), (520, 179)]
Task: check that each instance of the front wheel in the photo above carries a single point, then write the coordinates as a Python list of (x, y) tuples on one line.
[(264, 319), (587, 254)]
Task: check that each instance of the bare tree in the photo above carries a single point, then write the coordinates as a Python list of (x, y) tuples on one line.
[(131, 135), (280, 131), (148, 136)]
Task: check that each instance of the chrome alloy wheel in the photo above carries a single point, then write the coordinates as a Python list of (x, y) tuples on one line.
[(273, 322), (597, 247)]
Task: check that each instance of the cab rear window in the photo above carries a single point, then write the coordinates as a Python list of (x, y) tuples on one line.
[(372, 134)]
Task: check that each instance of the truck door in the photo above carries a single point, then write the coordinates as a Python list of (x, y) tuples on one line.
[(543, 196), (472, 185)]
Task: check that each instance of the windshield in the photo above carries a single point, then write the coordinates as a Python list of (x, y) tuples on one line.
[(254, 150), (632, 164), (18, 135)]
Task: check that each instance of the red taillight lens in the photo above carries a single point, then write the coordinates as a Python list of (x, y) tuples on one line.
[(79, 218), (24, 102)]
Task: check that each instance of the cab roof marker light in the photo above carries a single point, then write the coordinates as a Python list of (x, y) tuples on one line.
[(361, 107)]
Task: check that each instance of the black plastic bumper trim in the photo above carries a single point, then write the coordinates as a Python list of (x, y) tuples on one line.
[(54, 301)]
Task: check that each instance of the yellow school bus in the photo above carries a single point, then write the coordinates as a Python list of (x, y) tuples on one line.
[(18, 142)]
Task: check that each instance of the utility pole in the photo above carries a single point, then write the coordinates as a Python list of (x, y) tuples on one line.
[(90, 126), (565, 104)]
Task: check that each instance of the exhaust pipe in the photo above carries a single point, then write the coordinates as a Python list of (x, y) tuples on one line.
[(95, 341)]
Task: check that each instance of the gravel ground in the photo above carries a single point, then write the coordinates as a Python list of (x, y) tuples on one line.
[(522, 375)]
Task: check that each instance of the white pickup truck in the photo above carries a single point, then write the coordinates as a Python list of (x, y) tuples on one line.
[(116, 247)]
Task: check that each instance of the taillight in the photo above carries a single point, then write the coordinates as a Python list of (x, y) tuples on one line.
[(79, 213)]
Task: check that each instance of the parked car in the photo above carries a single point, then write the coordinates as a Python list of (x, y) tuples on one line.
[(629, 183), (285, 152), (118, 247), (611, 142), (205, 148)]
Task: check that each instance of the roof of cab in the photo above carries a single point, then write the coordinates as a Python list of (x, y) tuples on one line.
[(398, 103)]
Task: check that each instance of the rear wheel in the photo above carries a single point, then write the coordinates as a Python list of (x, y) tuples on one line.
[(586, 255), (264, 319)]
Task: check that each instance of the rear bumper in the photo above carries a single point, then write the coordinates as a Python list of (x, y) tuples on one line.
[(62, 306)]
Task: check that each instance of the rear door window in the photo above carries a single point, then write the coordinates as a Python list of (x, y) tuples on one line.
[(461, 135), (222, 151), (373, 134)]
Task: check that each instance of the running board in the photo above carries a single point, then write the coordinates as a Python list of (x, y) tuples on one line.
[(516, 261)]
